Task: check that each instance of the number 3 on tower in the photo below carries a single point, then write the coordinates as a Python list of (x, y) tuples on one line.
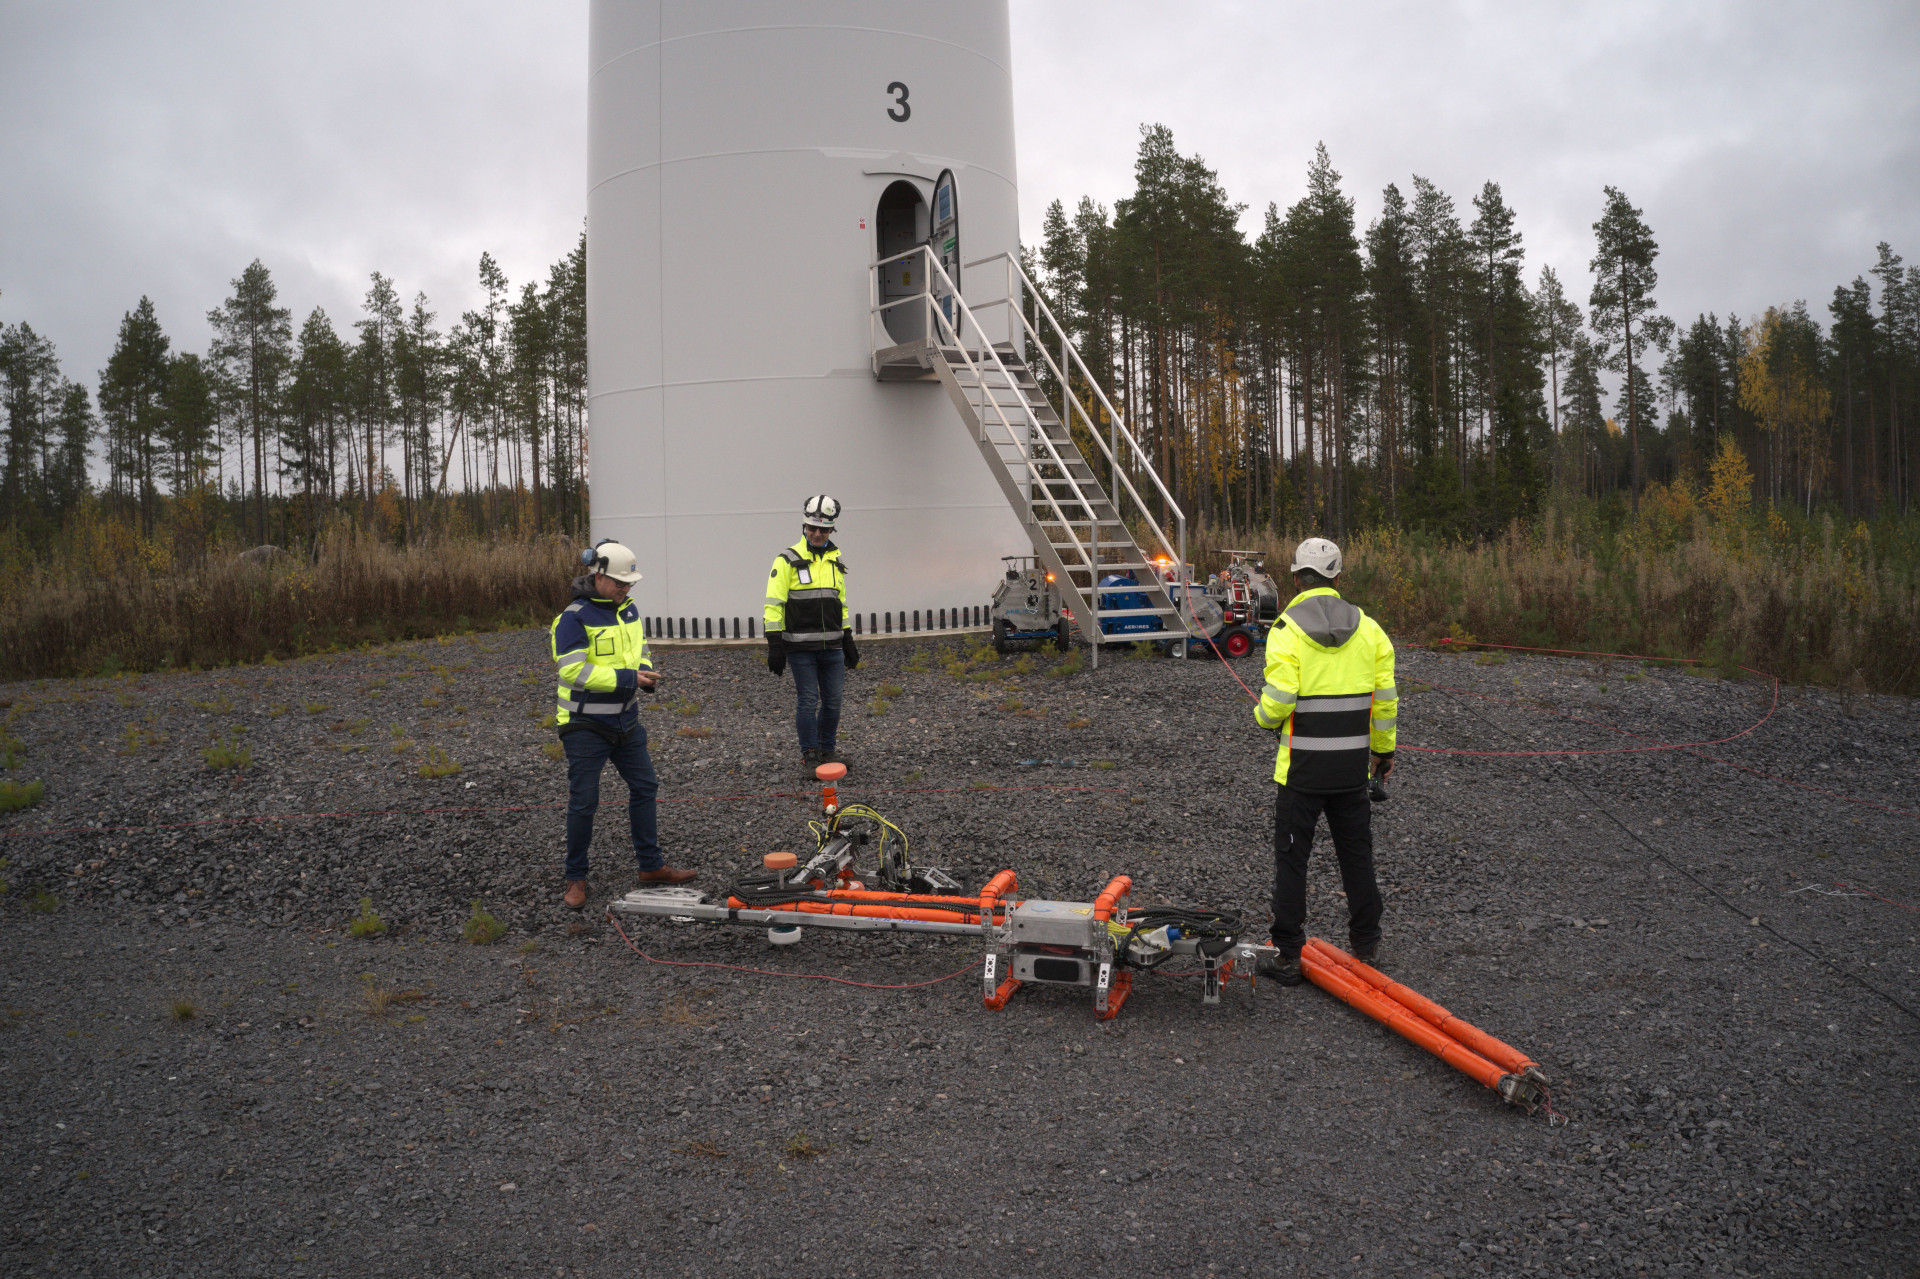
[(899, 111)]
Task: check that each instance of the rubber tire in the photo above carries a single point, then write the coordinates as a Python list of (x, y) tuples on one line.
[(1000, 636), (1239, 643), (1063, 635)]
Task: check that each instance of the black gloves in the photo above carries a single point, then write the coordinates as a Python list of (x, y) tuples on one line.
[(777, 652), (848, 651), (1382, 765)]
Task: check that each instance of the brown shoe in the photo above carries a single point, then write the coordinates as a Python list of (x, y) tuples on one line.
[(666, 875), (576, 894)]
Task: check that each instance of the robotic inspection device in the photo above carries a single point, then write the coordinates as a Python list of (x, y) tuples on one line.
[(1029, 607), (1097, 945)]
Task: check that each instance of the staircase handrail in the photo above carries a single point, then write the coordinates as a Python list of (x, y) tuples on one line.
[(1116, 468), (937, 320)]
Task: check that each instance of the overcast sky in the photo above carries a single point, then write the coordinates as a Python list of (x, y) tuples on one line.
[(158, 148)]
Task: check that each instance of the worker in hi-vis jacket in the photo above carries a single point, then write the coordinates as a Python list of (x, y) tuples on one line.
[(809, 628), (1330, 695), (600, 656)]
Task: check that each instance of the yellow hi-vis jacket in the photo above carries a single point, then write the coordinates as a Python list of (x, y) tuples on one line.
[(1329, 692), (598, 650), (807, 597)]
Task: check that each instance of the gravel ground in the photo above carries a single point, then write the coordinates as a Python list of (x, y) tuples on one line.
[(1739, 1095)]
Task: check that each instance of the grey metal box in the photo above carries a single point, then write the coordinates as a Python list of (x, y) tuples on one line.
[(1046, 923)]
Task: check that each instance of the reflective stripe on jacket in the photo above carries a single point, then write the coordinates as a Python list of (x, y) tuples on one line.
[(807, 596), (1329, 691), (597, 651)]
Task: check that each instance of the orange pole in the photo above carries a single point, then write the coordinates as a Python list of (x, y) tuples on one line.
[(1398, 1019), (861, 909), (1466, 1033), (1109, 897), (907, 899)]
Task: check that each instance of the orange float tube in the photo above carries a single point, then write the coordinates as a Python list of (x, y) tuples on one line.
[(1335, 982), (1466, 1033), (1119, 887)]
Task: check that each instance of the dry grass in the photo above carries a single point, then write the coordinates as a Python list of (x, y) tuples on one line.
[(63, 619), (379, 998), (1824, 607)]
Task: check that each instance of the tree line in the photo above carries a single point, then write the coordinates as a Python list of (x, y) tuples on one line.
[(1327, 377), (270, 433)]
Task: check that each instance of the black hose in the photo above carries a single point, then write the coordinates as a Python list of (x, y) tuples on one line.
[(1217, 926)]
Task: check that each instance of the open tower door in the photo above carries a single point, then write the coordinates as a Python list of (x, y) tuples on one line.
[(900, 224), (944, 240)]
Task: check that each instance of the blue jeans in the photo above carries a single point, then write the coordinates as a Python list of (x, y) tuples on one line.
[(587, 755), (818, 679)]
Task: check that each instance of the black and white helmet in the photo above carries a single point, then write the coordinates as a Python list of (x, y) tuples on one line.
[(820, 511)]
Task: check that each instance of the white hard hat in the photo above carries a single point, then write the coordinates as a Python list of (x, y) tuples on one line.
[(820, 511), (615, 560), (1318, 554)]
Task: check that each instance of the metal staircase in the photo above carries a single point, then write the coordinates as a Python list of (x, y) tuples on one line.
[(1079, 527)]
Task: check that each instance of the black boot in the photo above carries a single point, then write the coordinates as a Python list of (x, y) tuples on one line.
[(809, 760), (1284, 969)]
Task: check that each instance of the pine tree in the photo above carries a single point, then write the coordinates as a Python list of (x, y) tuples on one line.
[(1696, 379), (1586, 421), (133, 392), (1623, 284), (566, 302), (319, 398), (419, 384), (66, 467), (1392, 302), (191, 420), (1852, 342), (373, 364), (252, 348), (1560, 322), (486, 331), (30, 387)]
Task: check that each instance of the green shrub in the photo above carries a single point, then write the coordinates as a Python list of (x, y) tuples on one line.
[(438, 764), (366, 923), (228, 753), (43, 903), (482, 929), (1071, 666), (17, 795)]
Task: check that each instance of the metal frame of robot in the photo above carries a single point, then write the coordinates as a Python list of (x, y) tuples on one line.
[(1065, 943)]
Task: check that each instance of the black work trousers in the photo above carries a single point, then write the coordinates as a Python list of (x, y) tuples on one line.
[(1350, 819)]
